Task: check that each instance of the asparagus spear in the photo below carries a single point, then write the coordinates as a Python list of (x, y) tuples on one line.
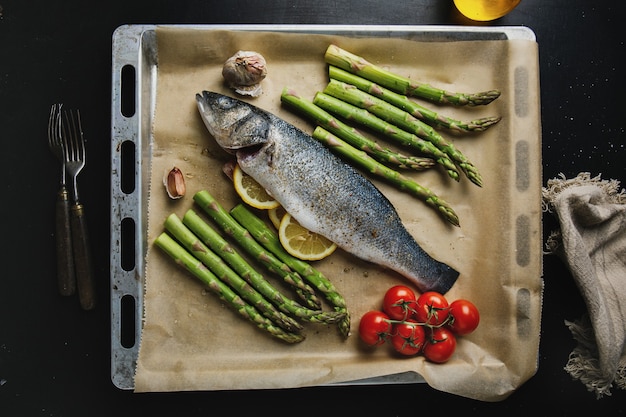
[(329, 122), (410, 106), (230, 226), (191, 264), (403, 85), (217, 243), (394, 177), (365, 118), (211, 260), (398, 117), (266, 237)]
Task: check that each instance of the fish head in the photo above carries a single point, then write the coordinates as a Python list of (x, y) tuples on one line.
[(235, 125)]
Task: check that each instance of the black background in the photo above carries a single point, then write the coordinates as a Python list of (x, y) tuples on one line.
[(54, 358)]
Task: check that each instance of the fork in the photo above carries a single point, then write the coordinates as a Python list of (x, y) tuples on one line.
[(66, 279), (74, 156)]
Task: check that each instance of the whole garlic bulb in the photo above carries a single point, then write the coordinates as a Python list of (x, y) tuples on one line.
[(244, 72)]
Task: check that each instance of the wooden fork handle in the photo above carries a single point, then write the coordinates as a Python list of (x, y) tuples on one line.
[(66, 278), (85, 279)]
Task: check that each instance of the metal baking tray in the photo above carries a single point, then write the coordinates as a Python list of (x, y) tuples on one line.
[(134, 85)]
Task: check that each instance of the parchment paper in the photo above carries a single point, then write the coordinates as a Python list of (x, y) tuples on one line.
[(192, 341)]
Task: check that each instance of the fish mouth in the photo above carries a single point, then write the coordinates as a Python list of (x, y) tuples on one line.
[(247, 152)]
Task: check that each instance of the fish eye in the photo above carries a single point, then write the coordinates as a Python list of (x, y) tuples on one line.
[(226, 102)]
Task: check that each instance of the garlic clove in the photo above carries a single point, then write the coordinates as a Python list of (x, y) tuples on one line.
[(174, 182)]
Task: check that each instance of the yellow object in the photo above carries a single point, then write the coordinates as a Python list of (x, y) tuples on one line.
[(276, 214), (251, 191), (302, 243), (483, 10)]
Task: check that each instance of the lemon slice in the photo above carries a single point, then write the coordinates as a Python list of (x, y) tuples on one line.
[(251, 191), (276, 214), (302, 243)]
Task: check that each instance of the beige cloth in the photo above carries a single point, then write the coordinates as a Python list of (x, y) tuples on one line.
[(192, 341), (592, 243)]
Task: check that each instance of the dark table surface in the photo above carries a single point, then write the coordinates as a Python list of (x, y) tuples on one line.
[(55, 358)]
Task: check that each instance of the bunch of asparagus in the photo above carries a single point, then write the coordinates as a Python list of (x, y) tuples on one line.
[(370, 96), (195, 245)]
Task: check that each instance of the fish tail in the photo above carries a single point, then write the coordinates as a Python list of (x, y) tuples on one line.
[(429, 274), (445, 279)]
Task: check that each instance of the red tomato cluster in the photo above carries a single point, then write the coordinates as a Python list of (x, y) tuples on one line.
[(426, 324)]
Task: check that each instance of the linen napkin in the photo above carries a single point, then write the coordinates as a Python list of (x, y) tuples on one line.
[(592, 243)]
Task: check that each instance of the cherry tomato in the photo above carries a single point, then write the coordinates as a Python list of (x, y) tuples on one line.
[(408, 338), (432, 308), (464, 317), (440, 346), (399, 302), (374, 328)]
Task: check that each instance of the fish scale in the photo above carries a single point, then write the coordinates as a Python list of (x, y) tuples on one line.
[(322, 192)]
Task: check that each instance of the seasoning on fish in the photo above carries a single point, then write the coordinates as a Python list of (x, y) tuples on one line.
[(322, 192)]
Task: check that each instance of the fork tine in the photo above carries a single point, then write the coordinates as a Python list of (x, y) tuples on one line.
[(73, 136), (79, 137), (67, 137), (50, 125), (54, 126)]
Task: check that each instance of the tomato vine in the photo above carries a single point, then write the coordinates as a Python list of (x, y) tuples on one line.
[(425, 325)]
